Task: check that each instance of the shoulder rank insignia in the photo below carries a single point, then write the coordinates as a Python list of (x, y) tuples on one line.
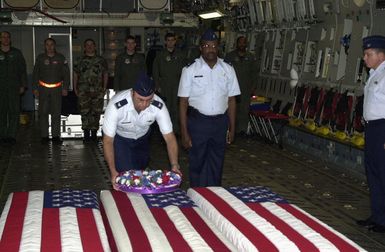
[(121, 103), (157, 104), (228, 62), (190, 63)]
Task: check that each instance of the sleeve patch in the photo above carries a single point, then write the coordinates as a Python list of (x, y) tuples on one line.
[(121, 103), (157, 104)]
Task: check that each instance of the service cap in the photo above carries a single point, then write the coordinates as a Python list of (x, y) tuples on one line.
[(374, 41), (144, 85), (209, 35)]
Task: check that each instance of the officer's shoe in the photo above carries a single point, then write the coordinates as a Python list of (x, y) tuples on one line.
[(44, 140), (86, 136), (9, 141), (57, 140), (368, 223), (377, 228), (94, 135)]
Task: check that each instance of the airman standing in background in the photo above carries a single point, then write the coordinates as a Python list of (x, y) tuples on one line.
[(13, 77), (128, 66), (246, 69), (167, 69), (51, 79), (90, 83)]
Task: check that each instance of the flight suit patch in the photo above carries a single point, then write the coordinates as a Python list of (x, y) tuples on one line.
[(121, 103)]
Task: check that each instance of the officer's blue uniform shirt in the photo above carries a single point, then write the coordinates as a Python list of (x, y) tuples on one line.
[(374, 93), (121, 117), (208, 88)]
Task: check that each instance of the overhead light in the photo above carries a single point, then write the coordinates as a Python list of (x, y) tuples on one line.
[(211, 14)]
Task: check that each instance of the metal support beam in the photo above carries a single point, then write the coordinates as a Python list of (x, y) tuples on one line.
[(33, 18)]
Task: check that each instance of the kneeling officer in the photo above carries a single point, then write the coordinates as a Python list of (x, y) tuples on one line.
[(126, 128)]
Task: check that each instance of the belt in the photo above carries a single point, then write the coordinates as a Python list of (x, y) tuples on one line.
[(194, 112), (375, 122), (50, 85)]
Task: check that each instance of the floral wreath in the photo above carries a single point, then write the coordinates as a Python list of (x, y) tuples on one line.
[(148, 181)]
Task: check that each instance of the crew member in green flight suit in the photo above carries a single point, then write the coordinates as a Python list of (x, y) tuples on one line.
[(167, 68), (51, 81), (13, 77), (245, 65), (128, 66)]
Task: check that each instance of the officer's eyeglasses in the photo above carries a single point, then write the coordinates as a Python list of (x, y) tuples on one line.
[(209, 46)]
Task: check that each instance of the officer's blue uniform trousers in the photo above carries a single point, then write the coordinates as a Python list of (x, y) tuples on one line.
[(206, 156), (375, 168), (131, 154)]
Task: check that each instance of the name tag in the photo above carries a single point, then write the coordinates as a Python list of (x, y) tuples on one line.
[(198, 76)]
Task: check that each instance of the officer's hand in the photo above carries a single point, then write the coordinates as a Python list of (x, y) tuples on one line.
[(230, 136), (186, 141), (176, 169), (22, 89), (36, 93), (113, 181)]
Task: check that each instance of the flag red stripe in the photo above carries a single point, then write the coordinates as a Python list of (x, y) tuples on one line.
[(247, 229), (176, 240), (135, 231), (10, 240), (50, 230), (107, 227), (88, 230), (326, 233), (301, 242), (202, 228)]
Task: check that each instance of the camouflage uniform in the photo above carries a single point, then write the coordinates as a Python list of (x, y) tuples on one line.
[(90, 70), (50, 70), (166, 72), (13, 75), (127, 70), (246, 69)]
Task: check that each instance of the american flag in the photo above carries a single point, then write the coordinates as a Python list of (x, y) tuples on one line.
[(257, 219), (62, 220), (158, 222)]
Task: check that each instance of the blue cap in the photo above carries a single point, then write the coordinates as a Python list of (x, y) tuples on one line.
[(375, 41), (144, 85), (209, 35)]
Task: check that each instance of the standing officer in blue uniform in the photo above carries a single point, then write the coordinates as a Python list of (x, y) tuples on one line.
[(374, 115), (126, 128), (207, 91)]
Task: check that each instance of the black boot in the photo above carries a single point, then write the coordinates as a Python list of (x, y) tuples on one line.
[(94, 136), (86, 135)]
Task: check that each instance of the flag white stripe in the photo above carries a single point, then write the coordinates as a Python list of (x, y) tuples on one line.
[(307, 232), (155, 235), (225, 226), (281, 242), (31, 236), (213, 228), (101, 230), (117, 227), (330, 228), (69, 230), (4, 214), (185, 228)]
